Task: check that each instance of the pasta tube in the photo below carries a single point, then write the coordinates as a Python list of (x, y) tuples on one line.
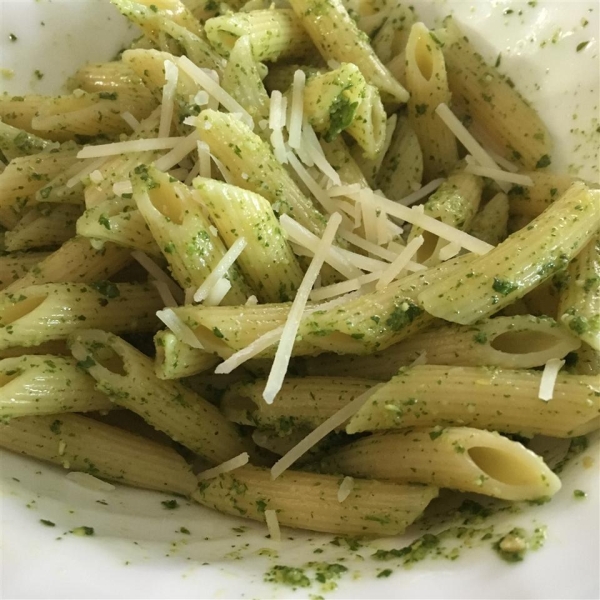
[(455, 203), (497, 399), (531, 201), (52, 311), (127, 377), (182, 232), (174, 359), (16, 142), (274, 34), (519, 342), (490, 224), (309, 501), (523, 261), (267, 262), (75, 261), (428, 84), (514, 126), (112, 453), (348, 44), (13, 266), (579, 302), (46, 384), (459, 458), (251, 165)]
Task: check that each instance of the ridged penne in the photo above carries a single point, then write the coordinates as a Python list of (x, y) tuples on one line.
[(75, 261), (579, 301), (309, 501), (486, 398), (182, 232), (175, 359), (523, 261), (320, 19), (251, 165), (16, 142), (302, 402), (274, 34), (461, 458), (43, 226), (83, 444), (127, 377), (455, 203), (14, 266), (519, 342), (401, 170), (531, 201), (508, 120), (342, 100), (490, 224), (46, 384), (267, 262), (52, 311), (428, 84)]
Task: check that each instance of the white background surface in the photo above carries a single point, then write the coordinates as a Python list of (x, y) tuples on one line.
[(137, 552)]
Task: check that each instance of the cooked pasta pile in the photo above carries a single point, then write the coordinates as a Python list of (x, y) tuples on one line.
[(346, 216)]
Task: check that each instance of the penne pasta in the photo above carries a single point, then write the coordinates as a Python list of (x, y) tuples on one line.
[(461, 458), (175, 359)]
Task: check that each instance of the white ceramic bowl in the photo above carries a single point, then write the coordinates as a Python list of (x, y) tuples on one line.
[(138, 550)]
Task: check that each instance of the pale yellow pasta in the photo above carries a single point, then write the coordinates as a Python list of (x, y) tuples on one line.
[(243, 81), (251, 165), (579, 301), (43, 226), (401, 170), (267, 262), (52, 311), (392, 36), (127, 377), (18, 111), (16, 142), (587, 361), (87, 445), (428, 85), (302, 402), (75, 261), (53, 347), (182, 232), (14, 266), (518, 342), (175, 359), (118, 221), (274, 34), (455, 203), (309, 501), (523, 261), (490, 224), (531, 201), (348, 44), (503, 400), (458, 458), (494, 104), (46, 384)]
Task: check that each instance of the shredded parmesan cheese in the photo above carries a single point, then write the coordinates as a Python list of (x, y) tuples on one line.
[(312, 148), (252, 301), (276, 123), (344, 287), (218, 292), (273, 524), (221, 269), (178, 153), (130, 120), (128, 146), (203, 159), (168, 93), (466, 139), (399, 264), (548, 379), (225, 467), (290, 329), (297, 109), (96, 177), (448, 251), (498, 175), (315, 436), (214, 89), (88, 168), (165, 293), (122, 187), (345, 488), (155, 271)]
